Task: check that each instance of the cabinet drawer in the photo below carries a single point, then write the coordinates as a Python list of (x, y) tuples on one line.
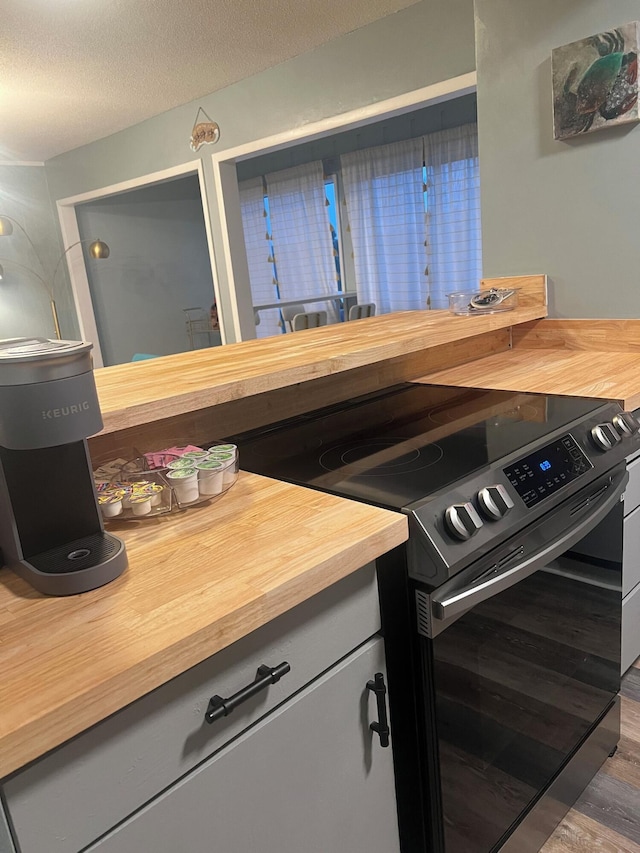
[(632, 492), (64, 801), (630, 629), (631, 552), (309, 778)]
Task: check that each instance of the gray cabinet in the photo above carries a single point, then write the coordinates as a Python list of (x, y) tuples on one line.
[(310, 777), (77, 794), (631, 567), (6, 844)]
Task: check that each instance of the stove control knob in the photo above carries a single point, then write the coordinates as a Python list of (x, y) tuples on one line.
[(604, 436), (626, 424), (462, 520), (494, 502)]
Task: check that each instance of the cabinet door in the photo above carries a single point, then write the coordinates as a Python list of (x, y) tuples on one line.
[(63, 802), (632, 492), (310, 777), (631, 552)]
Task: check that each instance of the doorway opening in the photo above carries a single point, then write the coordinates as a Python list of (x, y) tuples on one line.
[(155, 295), (149, 220)]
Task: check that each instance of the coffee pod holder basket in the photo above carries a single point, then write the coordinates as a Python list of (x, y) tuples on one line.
[(134, 490)]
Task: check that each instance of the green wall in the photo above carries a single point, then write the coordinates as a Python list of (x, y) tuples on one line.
[(448, 114), (568, 209)]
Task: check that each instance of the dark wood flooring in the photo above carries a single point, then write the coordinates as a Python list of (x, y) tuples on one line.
[(606, 819)]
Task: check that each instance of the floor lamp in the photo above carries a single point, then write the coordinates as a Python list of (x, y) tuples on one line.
[(97, 249)]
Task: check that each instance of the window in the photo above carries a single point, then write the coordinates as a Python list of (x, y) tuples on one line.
[(290, 243), (410, 225), (414, 216)]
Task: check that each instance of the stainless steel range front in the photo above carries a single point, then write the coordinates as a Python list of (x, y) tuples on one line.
[(502, 628)]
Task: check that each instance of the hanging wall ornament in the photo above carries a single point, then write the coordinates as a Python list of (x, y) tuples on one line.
[(203, 131)]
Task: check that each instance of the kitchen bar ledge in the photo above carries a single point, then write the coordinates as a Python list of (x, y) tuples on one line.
[(196, 583), (158, 389)]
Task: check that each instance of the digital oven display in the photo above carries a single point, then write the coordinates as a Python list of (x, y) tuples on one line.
[(542, 473)]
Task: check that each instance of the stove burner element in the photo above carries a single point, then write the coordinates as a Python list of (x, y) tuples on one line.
[(378, 457)]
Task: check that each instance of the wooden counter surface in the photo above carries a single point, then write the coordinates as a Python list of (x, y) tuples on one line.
[(155, 389), (196, 582), (579, 358), (577, 374)]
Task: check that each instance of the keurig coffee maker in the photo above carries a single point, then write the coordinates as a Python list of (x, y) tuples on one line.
[(51, 530)]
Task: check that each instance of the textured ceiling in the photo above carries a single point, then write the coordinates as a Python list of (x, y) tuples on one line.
[(72, 71)]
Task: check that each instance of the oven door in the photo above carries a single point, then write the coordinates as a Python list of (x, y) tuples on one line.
[(522, 662)]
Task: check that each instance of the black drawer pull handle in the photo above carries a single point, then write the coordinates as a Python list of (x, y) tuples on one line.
[(266, 675), (381, 726)]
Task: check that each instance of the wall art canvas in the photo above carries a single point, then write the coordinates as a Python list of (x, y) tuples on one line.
[(595, 82)]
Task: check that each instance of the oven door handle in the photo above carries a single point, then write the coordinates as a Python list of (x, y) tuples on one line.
[(464, 599)]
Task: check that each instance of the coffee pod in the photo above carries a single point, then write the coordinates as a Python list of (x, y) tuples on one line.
[(230, 474), (229, 461), (210, 476), (195, 455), (221, 455), (180, 462), (155, 490), (184, 482), (141, 504), (110, 504), (224, 448)]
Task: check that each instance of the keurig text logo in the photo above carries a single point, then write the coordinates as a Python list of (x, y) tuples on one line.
[(65, 411)]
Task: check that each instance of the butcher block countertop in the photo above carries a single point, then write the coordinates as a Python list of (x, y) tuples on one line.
[(156, 389), (578, 358), (197, 581)]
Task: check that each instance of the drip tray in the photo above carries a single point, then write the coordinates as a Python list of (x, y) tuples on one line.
[(77, 566)]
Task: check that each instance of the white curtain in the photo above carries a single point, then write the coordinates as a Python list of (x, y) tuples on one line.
[(302, 236), (256, 239), (384, 193), (453, 212), (414, 242)]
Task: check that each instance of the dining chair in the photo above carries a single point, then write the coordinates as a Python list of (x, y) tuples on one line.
[(309, 320), (362, 309), (290, 311)]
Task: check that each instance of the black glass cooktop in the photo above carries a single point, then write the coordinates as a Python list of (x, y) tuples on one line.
[(407, 443)]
